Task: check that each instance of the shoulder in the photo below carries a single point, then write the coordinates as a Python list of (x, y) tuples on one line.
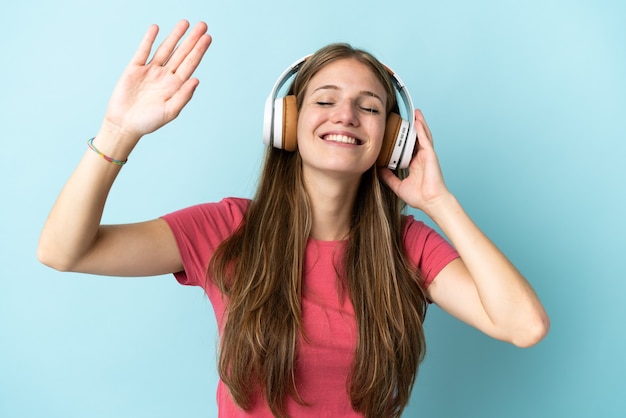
[(426, 248), (230, 208), (415, 231), (200, 229), (215, 218)]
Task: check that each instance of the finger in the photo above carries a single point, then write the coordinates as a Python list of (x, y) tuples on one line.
[(164, 51), (180, 99), (182, 51), (143, 51), (419, 116), (192, 60), (424, 139)]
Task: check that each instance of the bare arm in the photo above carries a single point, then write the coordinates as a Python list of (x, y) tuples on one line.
[(481, 288), (148, 95)]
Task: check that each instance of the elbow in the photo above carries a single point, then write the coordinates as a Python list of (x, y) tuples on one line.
[(53, 259), (534, 331)]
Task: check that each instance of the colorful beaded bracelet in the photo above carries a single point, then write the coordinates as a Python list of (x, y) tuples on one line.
[(106, 157)]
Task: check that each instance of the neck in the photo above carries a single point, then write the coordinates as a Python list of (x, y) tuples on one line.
[(332, 200)]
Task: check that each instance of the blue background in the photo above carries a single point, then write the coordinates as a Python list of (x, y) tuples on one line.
[(526, 101)]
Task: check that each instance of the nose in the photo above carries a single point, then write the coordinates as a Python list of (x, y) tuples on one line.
[(345, 113)]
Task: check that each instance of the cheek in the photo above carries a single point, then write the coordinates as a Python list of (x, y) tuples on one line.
[(306, 124), (379, 130), (304, 132), (301, 125)]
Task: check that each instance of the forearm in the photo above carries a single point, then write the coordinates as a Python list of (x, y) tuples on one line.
[(506, 297), (73, 224)]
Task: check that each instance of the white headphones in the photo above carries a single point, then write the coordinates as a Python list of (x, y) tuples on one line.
[(281, 120)]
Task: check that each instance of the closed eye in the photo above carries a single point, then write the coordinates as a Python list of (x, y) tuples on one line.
[(370, 109), (367, 109)]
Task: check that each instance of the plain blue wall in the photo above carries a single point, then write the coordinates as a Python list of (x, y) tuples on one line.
[(527, 102)]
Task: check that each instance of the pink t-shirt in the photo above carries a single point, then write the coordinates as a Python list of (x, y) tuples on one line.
[(324, 359)]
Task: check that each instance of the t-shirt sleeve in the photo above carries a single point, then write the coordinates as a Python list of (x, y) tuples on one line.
[(199, 230), (426, 249)]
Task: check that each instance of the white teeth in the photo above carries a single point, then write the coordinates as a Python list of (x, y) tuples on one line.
[(341, 138)]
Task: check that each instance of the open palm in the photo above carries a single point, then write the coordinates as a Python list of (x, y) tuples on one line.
[(152, 93)]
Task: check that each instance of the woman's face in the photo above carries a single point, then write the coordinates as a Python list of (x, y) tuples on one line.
[(341, 122)]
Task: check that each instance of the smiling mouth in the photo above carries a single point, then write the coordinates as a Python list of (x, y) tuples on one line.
[(342, 139)]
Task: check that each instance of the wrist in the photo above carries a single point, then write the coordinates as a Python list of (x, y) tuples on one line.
[(115, 142), (103, 155), (440, 208)]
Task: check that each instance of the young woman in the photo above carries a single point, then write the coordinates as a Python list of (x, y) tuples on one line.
[(319, 284)]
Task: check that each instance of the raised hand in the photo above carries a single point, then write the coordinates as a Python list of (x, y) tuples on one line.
[(424, 186), (152, 93)]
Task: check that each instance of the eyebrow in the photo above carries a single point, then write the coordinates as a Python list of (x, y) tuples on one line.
[(362, 92)]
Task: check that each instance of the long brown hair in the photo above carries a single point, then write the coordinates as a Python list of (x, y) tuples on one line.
[(259, 270)]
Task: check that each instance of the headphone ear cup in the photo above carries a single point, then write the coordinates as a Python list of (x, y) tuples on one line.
[(392, 129), (290, 123)]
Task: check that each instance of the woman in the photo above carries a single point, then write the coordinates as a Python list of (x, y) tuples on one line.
[(319, 284)]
